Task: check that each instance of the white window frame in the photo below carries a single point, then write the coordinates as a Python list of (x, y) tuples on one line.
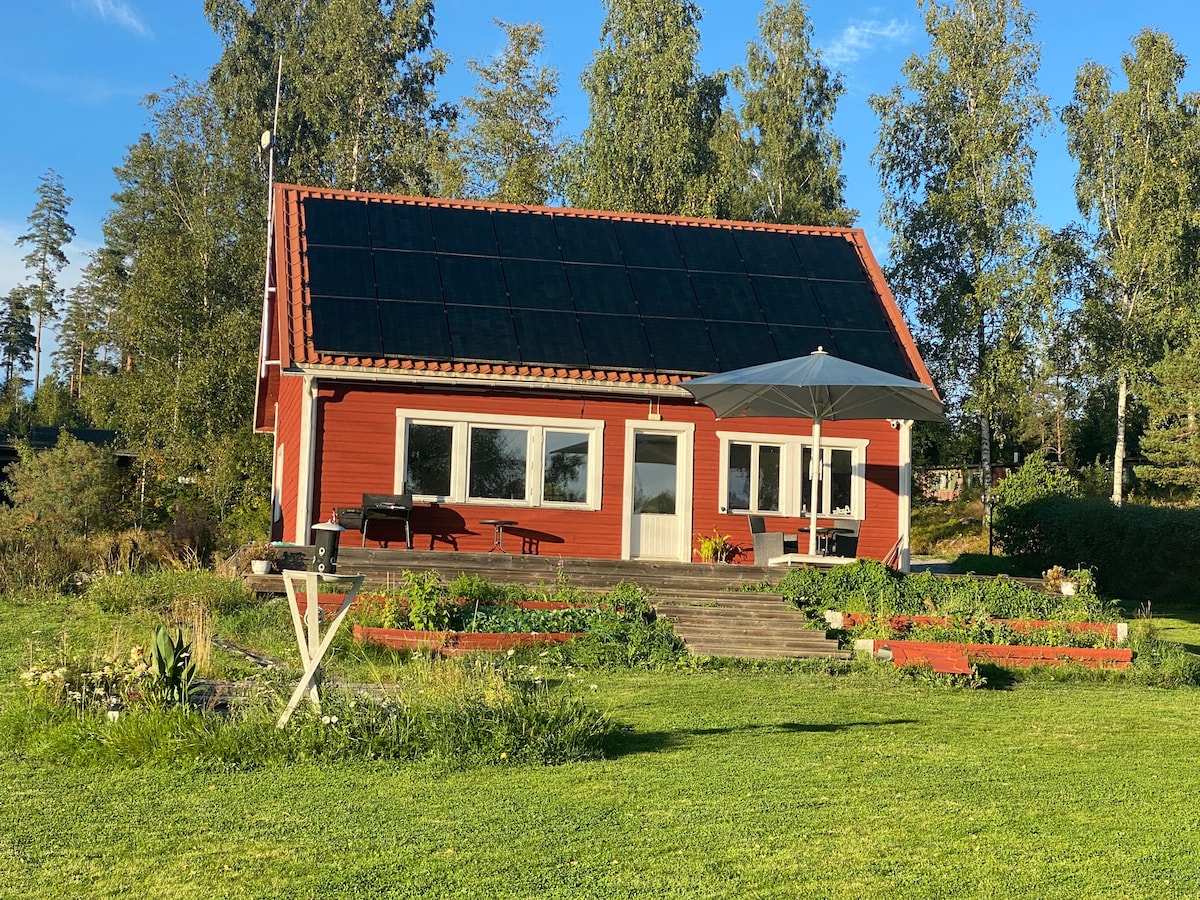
[(535, 428), (755, 447), (791, 478)]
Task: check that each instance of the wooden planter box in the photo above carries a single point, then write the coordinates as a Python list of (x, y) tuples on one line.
[(1116, 631), (953, 658), (453, 643)]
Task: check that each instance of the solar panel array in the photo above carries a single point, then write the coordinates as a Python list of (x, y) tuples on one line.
[(472, 285)]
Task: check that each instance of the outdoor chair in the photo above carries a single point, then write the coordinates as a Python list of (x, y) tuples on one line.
[(770, 543), (845, 539)]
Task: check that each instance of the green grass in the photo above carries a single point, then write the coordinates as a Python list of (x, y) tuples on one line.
[(721, 784)]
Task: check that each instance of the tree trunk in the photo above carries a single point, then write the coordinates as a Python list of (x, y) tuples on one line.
[(1118, 492)]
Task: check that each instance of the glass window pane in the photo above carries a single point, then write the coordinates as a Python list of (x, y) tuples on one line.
[(427, 466), (841, 477), (565, 467), (768, 478), (654, 480), (739, 476), (498, 463)]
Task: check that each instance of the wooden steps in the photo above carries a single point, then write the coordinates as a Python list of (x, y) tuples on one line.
[(751, 625)]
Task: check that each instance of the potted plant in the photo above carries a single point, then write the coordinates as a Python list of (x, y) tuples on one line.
[(1059, 581), (716, 548), (261, 556)]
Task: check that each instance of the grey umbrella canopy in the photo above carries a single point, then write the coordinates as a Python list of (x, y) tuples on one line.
[(817, 387)]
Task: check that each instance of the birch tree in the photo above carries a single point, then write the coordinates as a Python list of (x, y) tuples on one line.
[(653, 114), (1136, 150), (956, 162)]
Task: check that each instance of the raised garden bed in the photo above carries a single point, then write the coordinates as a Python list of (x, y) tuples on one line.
[(454, 643), (953, 658), (1118, 632)]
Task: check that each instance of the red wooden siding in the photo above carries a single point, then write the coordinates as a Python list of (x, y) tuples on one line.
[(287, 437), (356, 453)]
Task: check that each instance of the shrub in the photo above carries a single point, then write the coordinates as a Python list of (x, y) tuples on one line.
[(1014, 528)]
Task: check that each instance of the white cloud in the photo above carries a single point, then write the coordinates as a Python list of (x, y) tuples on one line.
[(862, 37), (119, 13)]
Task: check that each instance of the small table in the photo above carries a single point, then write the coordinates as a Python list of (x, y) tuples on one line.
[(498, 526), (825, 535)]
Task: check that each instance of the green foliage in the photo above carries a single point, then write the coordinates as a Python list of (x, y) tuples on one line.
[(955, 159), (1171, 443), (1137, 155), (172, 666), (48, 236), (159, 591), (70, 489), (867, 586), (787, 143), (653, 115), (625, 634), (511, 151), (1014, 529), (715, 547), (428, 603)]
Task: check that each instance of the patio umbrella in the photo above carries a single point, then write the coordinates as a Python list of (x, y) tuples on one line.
[(817, 387)]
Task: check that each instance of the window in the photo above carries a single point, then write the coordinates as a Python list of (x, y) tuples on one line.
[(427, 467), (511, 460), (769, 475), (754, 474)]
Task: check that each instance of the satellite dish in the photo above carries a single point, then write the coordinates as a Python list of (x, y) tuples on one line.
[(266, 140)]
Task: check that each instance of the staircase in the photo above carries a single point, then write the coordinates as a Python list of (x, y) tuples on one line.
[(751, 625)]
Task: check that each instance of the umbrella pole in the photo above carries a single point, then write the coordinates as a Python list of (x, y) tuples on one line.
[(815, 475)]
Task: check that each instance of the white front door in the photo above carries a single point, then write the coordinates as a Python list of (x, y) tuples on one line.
[(658, 491)]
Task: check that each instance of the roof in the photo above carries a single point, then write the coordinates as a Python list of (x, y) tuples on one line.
[(405, 283)]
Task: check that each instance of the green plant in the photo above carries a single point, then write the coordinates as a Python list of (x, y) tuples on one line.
[(716, 547), (428, 603), (172, 666)]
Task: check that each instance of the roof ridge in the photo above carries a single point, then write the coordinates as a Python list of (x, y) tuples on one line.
[(301, 191)]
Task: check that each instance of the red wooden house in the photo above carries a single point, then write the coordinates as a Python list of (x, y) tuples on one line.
[(516, 363)]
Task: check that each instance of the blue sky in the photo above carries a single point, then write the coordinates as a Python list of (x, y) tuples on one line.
[(73, 72)]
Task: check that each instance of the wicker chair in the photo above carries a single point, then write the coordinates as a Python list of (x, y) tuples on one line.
[(768, 544)]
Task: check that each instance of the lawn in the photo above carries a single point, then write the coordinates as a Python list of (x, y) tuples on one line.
[(722, 785)]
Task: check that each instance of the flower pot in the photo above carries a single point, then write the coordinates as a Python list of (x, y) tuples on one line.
[(260, 566)]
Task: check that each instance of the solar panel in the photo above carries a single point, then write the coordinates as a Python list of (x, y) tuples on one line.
[(400, 275), (438, 282), (648, 245), (483, 333), (725, 297), (877, 349), (537, 284), (346, 326), (828, 256), (793, 341), (740, 344), (680, 345), (708, 249), (477, 280), (767, 253), (664, 292), (526, 235), (399, 226), (466, 231), (414, 330), (849, 304), (786, 301), (549, 338), (587, 240), (341, 272), (338, 223), (601, 289), (616, 342)]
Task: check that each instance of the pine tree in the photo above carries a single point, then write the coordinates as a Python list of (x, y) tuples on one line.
[(788, 101), (17, 339), (48, 235), (1171, 443)]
